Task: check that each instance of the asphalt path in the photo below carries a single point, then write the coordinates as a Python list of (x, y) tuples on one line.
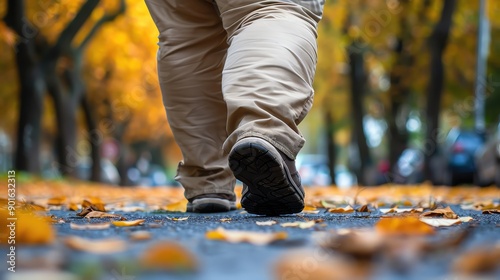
[(240, 261)]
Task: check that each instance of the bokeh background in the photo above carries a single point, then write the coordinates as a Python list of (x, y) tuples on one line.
[(406, 92)]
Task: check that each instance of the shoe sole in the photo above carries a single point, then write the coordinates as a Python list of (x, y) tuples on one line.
[(210, 205), (270, 188)]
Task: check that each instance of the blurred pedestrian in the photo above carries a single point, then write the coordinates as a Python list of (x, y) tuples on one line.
[(236, 78)]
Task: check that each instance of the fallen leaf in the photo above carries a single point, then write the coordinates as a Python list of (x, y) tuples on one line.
[(178, 219), (302, 225), (102, 246), (238, 236), (347, 209), (32, 207), (440, 222), (491, 211), (401, 210), (266, 223), (466, 219), (30, 228), (310, 210), (73, 207), (363, 209), (179, 206), (358, 243), (99, 214), (140, 235), (225, 220), (170, 256), (89, 226), (128, 223), (441, 212), (96, 205), (403, 226)]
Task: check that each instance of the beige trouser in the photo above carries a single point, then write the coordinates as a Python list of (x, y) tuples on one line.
[(228, 70)]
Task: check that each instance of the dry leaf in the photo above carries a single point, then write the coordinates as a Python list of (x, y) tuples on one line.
[(140, 235), (89, 226), (266, 223), (128, 223), (403, 226), (491, 211), (179, 206), (30, 228), (363, 209), (466, 219), (302, 225), (358, 243), (168, 256), (442, 212), (310, 210), (73, 207), (178, 219), (225, 220), (99, 214), (96, 205), (102, 246), (347, 209), (401, 210), (440, 222), (237, 236)]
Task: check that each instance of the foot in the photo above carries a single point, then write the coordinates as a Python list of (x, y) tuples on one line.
[(212, 203), (271, 181)]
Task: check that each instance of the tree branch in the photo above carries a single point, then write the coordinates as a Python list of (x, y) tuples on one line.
[(104, 19)]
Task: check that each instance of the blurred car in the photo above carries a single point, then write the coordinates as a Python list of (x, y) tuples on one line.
[(409, 167), (488, 161), (460, 150)]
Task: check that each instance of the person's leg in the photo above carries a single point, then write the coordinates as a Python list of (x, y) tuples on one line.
[(267, 84), (192, 49)]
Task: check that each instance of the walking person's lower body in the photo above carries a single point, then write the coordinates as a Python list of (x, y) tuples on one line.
[(236, 78)]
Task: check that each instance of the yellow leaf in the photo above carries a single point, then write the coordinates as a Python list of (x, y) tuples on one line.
[(237, 236), (99, 214), (168, 256), (73, 207), (347, 209), (89, 226), (103, 246), (128, 223), (225, 220), (29, 228), (401, 210), (179, 206), (403, 226)]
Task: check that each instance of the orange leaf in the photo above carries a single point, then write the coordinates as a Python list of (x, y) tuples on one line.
[(29, 228), (179, 206), (442, 212), (56, 201), (403, 225), (347, 209), (128, 223), (168, 256), (140, 235)]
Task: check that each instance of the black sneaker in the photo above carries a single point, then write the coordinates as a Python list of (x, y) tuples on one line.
[(271, 181), (212, 203)]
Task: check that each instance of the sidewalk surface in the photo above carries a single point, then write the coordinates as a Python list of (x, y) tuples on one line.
[(389, 232)]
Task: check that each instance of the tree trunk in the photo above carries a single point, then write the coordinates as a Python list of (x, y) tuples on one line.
[(437, 45), (27, 155), (95, 141), (358, 81), (330, 144)]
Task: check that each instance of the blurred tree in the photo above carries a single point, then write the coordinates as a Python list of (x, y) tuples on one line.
[(437, 44)]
